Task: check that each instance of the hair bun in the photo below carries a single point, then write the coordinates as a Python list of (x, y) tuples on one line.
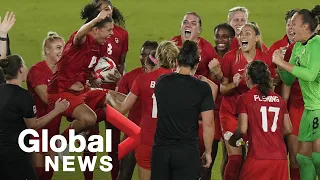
[(51, 33), (4, 63), (189, 46)]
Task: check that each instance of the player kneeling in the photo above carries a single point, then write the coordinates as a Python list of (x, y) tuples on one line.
[(264, 117)]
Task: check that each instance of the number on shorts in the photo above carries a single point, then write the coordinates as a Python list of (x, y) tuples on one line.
[(263, 111), (315, 123), (154, 106), (109, 50)]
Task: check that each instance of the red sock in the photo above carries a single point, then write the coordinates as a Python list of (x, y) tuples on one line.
[(114, 152), (40, 172), (233, 167), (48, 174), (294, 174), (66, 133), (88, 175)]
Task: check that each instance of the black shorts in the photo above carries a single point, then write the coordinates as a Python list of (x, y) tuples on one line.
[(175, 163), (16, 166)]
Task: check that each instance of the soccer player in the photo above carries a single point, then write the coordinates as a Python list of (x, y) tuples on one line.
[(175, 153), (116, 48), (263, 116), (143, 89), (282, 43), (17, 112), (190, 29), (223, 35), (80, 55), (38, 78), (304, 65), (128, 163), (237, 18), (232, 85)]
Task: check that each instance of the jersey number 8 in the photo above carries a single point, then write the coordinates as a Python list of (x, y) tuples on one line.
[(263, 111)]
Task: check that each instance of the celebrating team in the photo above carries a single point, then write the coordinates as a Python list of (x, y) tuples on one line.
[(258, 106)]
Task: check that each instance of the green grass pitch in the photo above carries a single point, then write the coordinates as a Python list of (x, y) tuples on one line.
[(145, 20)]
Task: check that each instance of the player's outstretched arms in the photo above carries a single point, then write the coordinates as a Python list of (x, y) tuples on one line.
[(122, 107), (241, 129), (287, 126), (60, 106), (119, 96)]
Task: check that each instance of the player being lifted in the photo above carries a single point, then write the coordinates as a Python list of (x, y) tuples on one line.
[(263, 115), (304, 64)]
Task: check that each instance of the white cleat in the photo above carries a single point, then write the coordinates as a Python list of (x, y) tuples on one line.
[(63, 153)]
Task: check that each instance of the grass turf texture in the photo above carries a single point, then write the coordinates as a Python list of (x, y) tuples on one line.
[(145, 20)]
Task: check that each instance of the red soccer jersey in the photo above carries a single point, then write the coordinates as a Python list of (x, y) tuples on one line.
[(265, 124), (75, 65), (230, 67), (235, 45), (295, 98), (143, 87), (116, 45), (124, 87), (207, 53), (40, 74)]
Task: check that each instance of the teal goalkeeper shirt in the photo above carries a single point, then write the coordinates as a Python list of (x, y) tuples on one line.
[(306, 60)]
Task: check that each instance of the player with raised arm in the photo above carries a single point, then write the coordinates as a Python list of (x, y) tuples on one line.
[(38, 79), (305, 66), (80, 55), (263, 116)]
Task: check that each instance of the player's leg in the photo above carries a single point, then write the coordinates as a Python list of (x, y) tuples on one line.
[(229, 123), (160, 167), (307, 170), (115, 134), (315, 116), (38, 164), (143, 156), (127, 165), (224, 159), (293, 143), (185, 163), (49, 174)]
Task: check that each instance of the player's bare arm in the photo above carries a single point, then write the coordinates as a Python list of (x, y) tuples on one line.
[(208, 133), (285, 92), (34, 123), (241, 129), (125, 106), (226, 87), (215, 69), (287, 126), (80, 37), (41, 90), (121, 63), (213, 86), (120, 97)]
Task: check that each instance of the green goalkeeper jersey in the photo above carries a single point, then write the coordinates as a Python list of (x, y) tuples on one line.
[(306, 60)]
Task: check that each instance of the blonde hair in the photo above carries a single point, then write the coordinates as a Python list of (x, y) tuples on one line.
[(238, 8), (51, 37), (167, 54)]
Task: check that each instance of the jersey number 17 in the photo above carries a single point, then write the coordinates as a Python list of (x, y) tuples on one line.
[(263, 111)]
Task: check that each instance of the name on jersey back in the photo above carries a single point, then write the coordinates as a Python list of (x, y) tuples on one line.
[(266, 98)]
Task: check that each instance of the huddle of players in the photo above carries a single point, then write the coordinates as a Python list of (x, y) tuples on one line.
[(237, 43)]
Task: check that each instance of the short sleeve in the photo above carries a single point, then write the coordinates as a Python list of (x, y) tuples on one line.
[(123, 85), (241, 105), (36, 78), (125, 45), (208, 102), (28, 106), (135, 89)]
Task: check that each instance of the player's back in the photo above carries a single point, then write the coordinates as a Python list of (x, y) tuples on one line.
[(144, 88), (265, 124)]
